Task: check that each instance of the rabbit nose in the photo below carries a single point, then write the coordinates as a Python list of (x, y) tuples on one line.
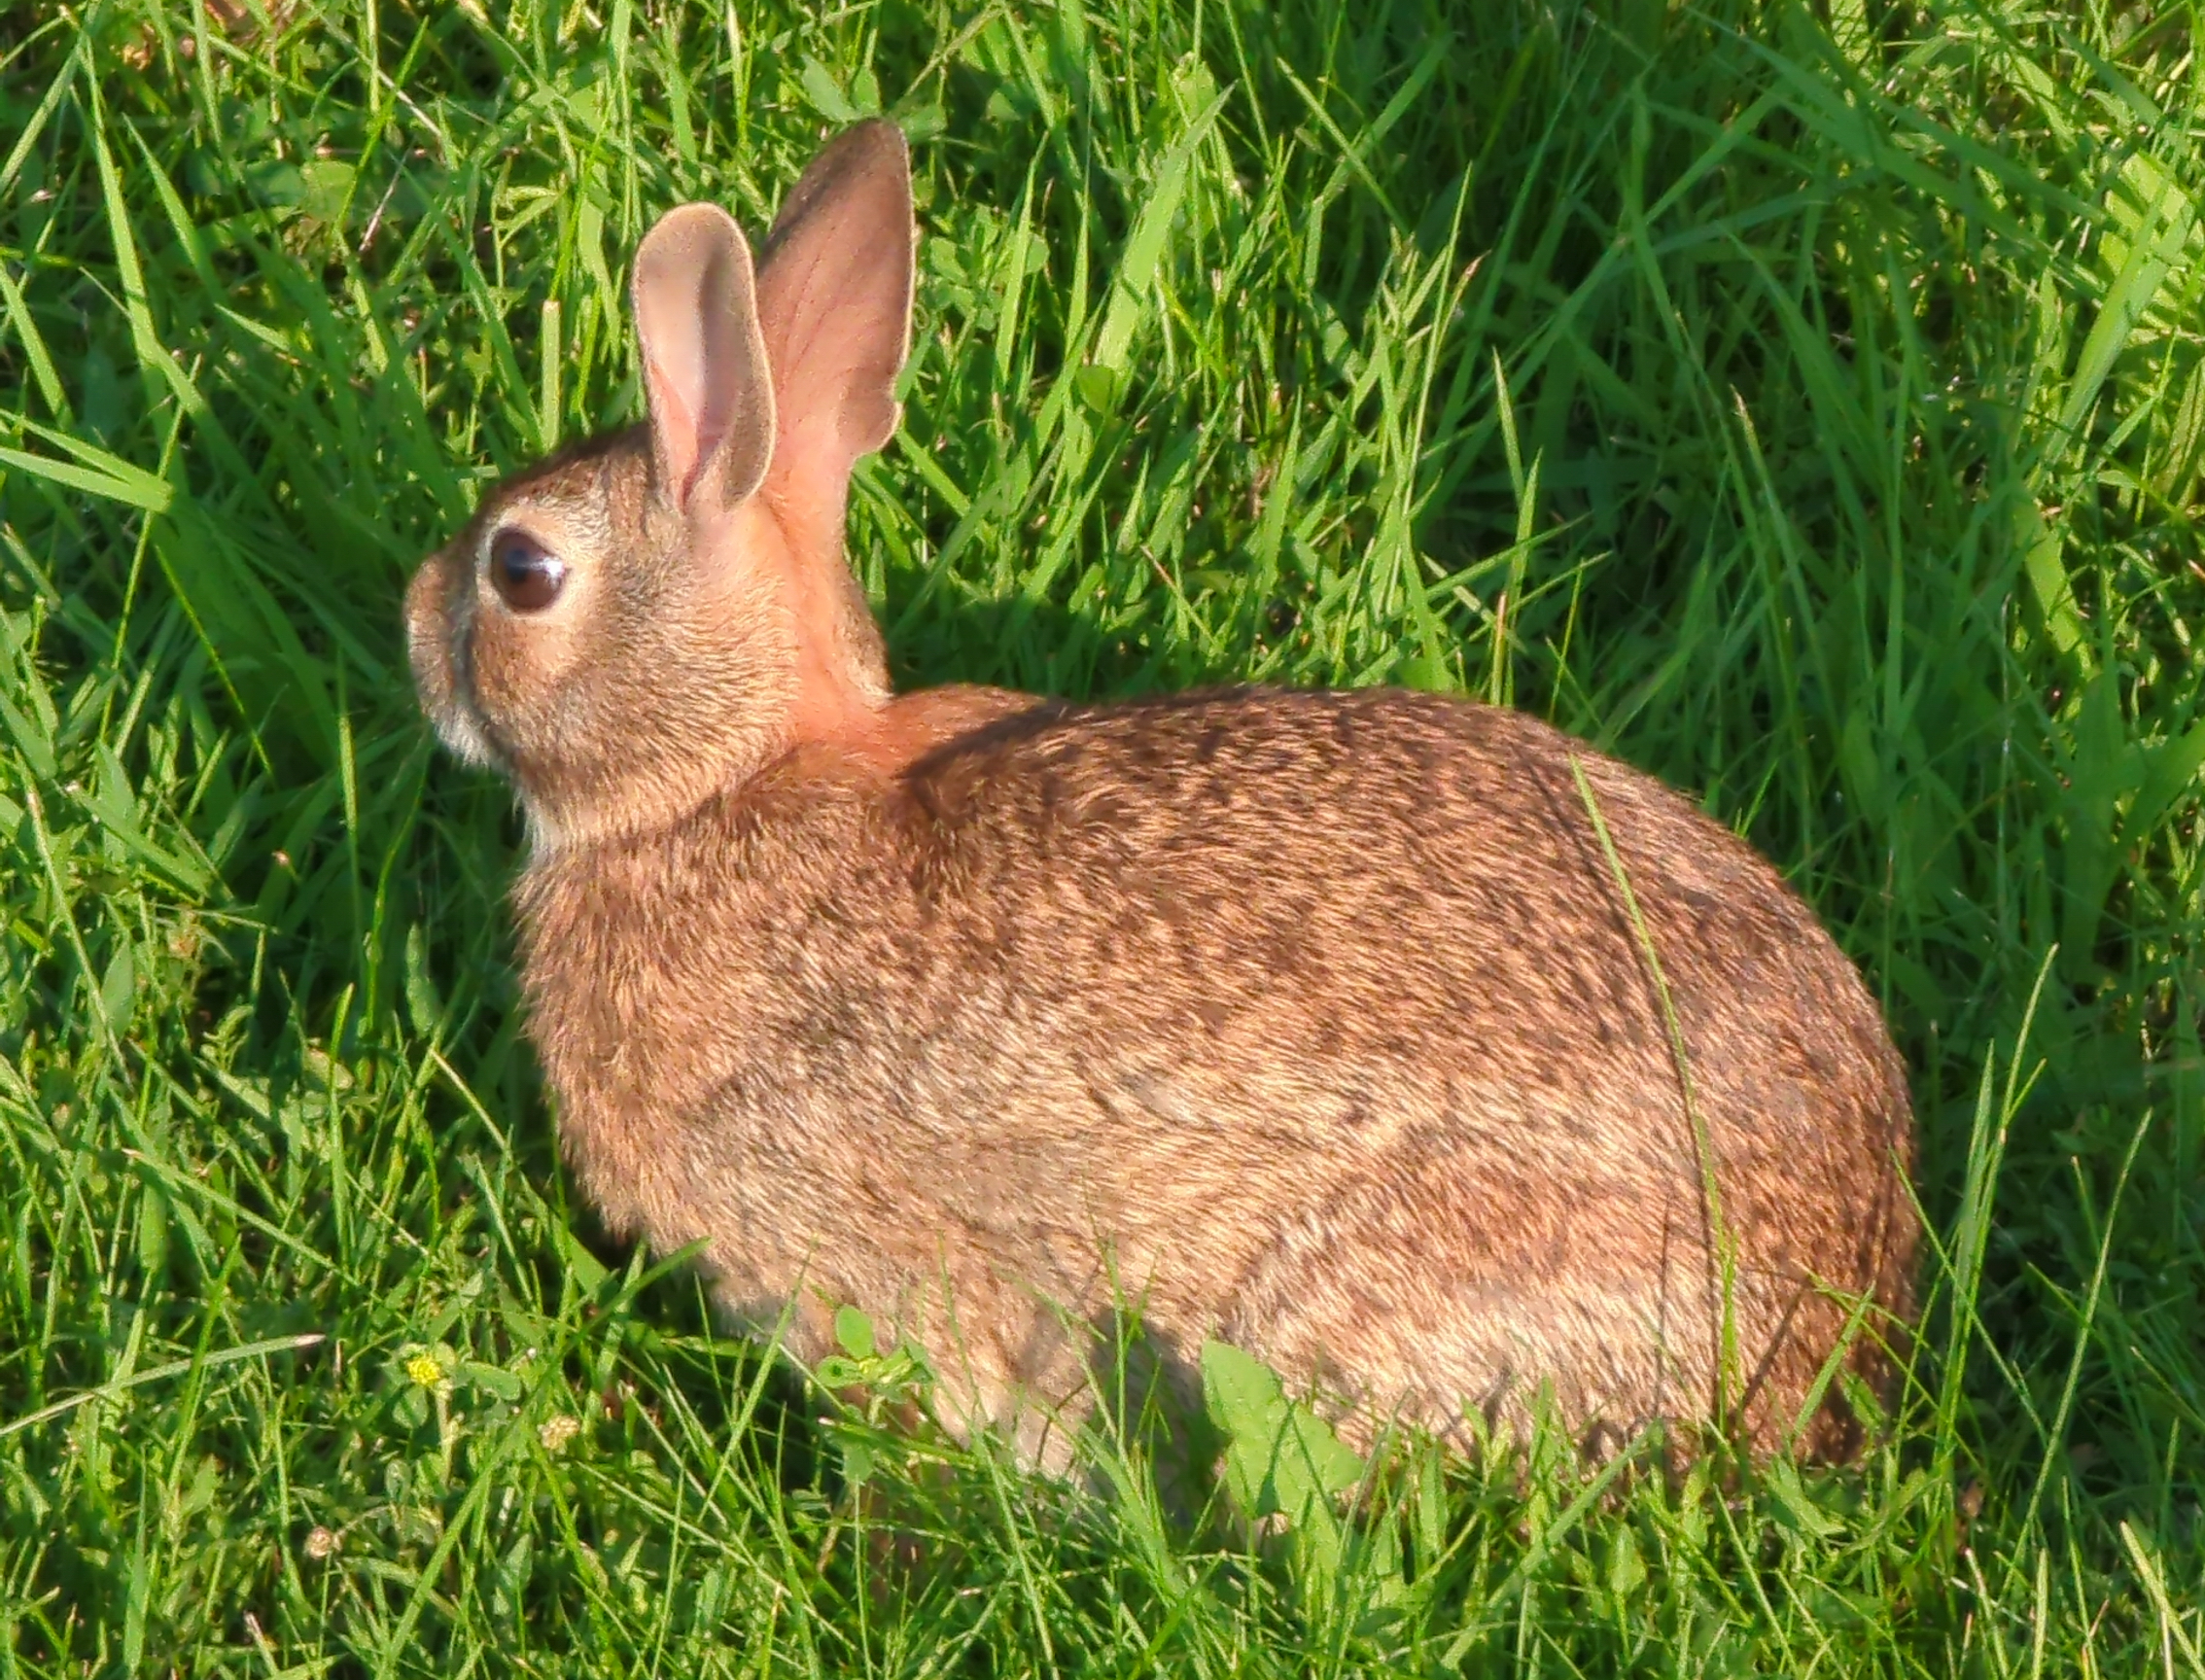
[(428, 630), (422, 598)]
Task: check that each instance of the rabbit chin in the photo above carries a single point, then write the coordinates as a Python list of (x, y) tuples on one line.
[(465, 734), (462, 731)]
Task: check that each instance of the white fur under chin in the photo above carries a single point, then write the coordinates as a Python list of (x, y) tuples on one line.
[(462, 732), (544, 836), (459, 730)]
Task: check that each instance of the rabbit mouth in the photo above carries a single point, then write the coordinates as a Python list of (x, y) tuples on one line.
[(468, 736), (461, 725)]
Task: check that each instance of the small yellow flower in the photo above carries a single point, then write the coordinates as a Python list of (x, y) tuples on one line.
[(423, 1369), (556, 1432)]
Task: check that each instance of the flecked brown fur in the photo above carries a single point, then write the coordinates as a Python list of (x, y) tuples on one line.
[(1313, 1021)]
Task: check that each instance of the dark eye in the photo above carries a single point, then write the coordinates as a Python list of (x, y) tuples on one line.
[(527, 575)]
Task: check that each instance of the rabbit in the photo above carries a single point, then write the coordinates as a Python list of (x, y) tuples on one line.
[(1459, 1073)]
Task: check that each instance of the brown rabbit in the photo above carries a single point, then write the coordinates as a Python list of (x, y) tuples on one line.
[(1402, 1041)]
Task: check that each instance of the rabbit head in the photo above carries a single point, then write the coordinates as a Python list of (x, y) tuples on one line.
[(634, 623)]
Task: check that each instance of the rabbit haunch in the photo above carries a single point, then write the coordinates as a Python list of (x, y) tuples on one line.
[(1318, 1022)]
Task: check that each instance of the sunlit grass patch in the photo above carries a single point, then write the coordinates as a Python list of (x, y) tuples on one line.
[(1808, 409)]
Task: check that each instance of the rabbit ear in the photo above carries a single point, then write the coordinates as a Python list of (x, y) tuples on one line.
[(835, 303), (705, 364)]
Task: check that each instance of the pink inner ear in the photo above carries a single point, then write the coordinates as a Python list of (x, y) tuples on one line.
[(677, 425), (680, 370), (711, 393)]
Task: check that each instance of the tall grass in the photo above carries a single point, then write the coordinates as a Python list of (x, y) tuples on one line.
[(1805, 405)]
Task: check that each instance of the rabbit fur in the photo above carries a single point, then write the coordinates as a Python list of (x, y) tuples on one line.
[(1322, 1023)]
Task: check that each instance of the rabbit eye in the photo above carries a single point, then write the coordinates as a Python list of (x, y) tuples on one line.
[(527, 575)]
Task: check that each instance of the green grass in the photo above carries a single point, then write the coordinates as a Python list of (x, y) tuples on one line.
[(1808, 410)]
